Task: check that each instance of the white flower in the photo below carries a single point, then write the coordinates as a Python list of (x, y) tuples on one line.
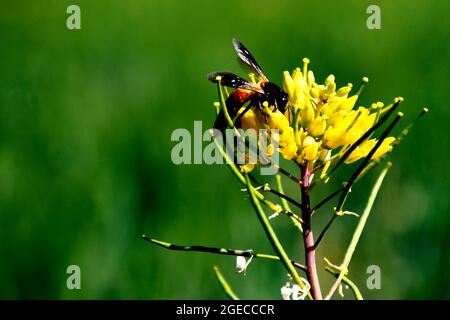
[(286, 291), (242, 264), (295, 292)]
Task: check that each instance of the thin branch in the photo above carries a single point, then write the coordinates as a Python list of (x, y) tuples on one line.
[(366, 160), (286, 209), (348, 282), (280, 194), (326, 199), (285, 197), (287, 174), (358, 231), (270, 233), (224, 284), (242, 179), (324, 231), (281, 191), (294, 217), (397, 141), (373, 163), (285, 204), (221, 251), (356, 175)]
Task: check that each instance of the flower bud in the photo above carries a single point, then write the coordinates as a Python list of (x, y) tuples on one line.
[(344, 90), (288, 83), (310, 148)]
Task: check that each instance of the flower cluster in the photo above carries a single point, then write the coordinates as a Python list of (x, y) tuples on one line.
[(320, 119)]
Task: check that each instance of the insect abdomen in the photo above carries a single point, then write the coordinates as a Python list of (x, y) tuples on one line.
[(234, 103)]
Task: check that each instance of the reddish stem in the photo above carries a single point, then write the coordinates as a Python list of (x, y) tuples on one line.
[(308, 238)]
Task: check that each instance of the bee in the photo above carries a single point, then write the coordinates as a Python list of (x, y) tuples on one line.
[(247, 92)]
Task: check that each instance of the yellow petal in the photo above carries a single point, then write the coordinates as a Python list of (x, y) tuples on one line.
[(288, 83), (334, 137), (317, 127), (363, 150), (247, 168)]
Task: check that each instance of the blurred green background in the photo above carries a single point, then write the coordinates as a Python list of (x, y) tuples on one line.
[(85, 125)]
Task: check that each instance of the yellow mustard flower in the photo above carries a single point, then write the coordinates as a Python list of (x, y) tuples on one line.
[(270, 120), (349, 127), (320, 123), (363, 150), (326, 118), (286, 141), (310, 148)]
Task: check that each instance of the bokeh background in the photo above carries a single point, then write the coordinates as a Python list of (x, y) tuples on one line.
[(85, 124)]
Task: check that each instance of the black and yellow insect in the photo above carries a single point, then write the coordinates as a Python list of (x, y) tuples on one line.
[(245, 91)]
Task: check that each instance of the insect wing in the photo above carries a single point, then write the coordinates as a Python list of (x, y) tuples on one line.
[(229, 79), (248, 59)]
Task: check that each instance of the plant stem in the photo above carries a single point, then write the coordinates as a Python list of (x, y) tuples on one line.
[(358, 231), (224, 283), (280, 193), (324, 231), (357, 174), (242, 180), (222, 251), (285, 204), (325, 200), (287, 174), (270, 233), (348, 282), (308, 238), (366, 161)]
